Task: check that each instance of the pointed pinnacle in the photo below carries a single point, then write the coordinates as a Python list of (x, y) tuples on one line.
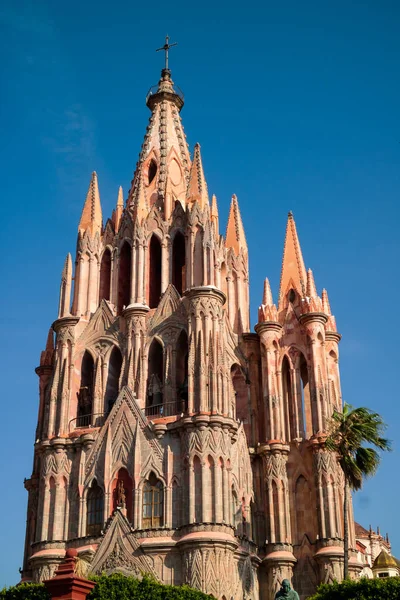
[(91, 215), (120, 201), (311, 288), (117, 213), (267, 296), (326, 307), (50, 340), (67, 269), (293, 268), (197, 187), (235, 237)]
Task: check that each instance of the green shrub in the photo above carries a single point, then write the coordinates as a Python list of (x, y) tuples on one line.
[(25, 591), (361, 589), (112, 587)]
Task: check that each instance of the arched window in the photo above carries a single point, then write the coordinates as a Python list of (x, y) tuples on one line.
[(124, 277), (95, 510), (114, 373), (122, 490), (289, 406), (241, 396), (292, 296), (105, 276), (155, 379), (306, 398), (152, 503), (181, 377), (198, 258), (176, 505), (85, 394), (154, 272), (152, 171), (179, 263)]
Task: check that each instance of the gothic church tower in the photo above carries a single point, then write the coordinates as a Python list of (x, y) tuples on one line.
[(170, 439)]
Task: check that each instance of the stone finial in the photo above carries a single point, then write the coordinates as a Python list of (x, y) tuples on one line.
[(326, 307), (91, 218), (311, 291), (215, 214), (235, 237), (267, 295), (293, 269)]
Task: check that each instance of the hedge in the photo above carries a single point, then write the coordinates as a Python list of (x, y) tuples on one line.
[(112, 587), (387, 588)]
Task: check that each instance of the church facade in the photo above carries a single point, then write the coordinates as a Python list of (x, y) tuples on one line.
[(171, 439)]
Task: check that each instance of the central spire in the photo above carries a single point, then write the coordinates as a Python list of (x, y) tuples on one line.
[(162, 172)]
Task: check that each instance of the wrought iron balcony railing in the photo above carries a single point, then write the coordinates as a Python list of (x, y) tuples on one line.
[(167, 409), (87, 421)]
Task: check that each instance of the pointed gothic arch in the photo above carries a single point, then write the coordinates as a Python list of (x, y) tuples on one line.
[(291, 416), (198, 258), (155, 378), (154, 293), (307, 416), (241, 395), (124, 276), (113, 377), (105, 276), (181, 373), (86, 391), (153, 503), (179, 262), (304, 511), (94, 509), (121, 492)]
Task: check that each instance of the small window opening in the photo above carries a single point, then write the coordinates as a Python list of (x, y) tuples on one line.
[(292, 296), (152, 170)]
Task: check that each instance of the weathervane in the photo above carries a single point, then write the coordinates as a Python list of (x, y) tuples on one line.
[(166, 47)]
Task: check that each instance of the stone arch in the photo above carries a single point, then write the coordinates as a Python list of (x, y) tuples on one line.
[(94, 509), (291, 414), (197, 264), (155, 375), (305, 389), (155, 266), (124, 276), (105, 275), (181, 370), (241, 395), (178, 262), (121, 492), (86, 390), (113, 378), (152, 502)]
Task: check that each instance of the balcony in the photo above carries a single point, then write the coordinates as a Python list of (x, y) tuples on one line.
[(167, 409), (87, 421)]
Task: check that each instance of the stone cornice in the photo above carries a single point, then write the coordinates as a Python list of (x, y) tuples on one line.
[(332, 336), (315, 317), (268, 326), (64, 322)]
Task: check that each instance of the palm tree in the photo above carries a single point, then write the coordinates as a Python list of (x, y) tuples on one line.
[(350, 433)]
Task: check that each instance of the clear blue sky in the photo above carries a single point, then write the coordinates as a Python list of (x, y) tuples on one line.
[(296, 107)]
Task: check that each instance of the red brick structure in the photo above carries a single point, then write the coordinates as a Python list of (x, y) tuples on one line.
[(171, 439), (66, 585)]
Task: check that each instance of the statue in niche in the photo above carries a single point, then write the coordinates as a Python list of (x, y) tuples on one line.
[(286, 591), (121, 497)]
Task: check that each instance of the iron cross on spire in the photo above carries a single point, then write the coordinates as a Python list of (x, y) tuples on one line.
[(166, 47)]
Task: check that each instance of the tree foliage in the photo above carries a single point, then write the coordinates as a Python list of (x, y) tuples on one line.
[(361, 589), (112, 587)]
